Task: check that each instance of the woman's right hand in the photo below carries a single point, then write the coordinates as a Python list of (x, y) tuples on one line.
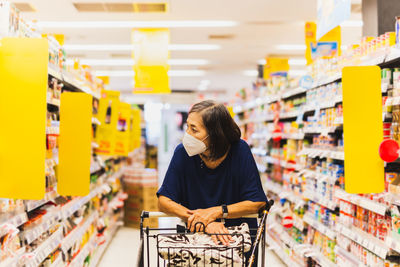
[(219, 228)]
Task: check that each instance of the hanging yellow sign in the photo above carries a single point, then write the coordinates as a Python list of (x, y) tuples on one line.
[(151, 54), (75, 144), (123, 127), (310, 38), (362, 130), (135, 131), (23, 90), (275, 66), (108, 117)]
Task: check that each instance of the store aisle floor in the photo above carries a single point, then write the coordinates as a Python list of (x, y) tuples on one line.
[(123, 251)]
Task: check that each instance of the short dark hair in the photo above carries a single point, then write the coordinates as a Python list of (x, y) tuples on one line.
[(221, 128)]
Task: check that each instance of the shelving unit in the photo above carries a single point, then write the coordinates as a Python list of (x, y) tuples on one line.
[(268, 148)]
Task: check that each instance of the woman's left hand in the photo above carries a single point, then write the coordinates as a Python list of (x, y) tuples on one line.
[(204, 216)]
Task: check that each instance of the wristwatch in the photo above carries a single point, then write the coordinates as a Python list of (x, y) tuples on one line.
[(224, 211)]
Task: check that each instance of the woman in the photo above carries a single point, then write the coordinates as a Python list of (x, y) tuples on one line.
[(212, 175)]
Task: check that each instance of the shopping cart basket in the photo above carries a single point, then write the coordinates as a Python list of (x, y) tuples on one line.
[(168, 253)]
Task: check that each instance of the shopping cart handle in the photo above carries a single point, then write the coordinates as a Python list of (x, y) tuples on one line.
[(159, 214)]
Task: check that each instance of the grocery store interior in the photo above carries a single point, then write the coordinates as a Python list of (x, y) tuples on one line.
[(158, 132)]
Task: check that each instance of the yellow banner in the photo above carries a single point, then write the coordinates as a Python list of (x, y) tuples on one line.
[(123, 129), (310, 38), (334, 35), (23, 90), (136, 131), (275, 66), (363, 130), (151, 56), (108, 117), (75, 144)]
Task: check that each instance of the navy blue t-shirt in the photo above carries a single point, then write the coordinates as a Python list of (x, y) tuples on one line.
[(194, 186)]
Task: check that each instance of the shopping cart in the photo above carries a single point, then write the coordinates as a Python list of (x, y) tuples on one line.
[(178, 255)]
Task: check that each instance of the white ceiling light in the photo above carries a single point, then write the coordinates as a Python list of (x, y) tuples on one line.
[(177, 62), (186, 73), (131, 62), (115, 73), (250, 73), (299, 47), (352, 23), (296, 73), (131, 73), (128, 47), (136, 24), (292, 62), (193, 47)]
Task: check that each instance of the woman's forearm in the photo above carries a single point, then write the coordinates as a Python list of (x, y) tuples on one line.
[(170, 207), (244, 208)]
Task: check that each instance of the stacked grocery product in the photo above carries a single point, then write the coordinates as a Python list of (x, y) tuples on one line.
[(296, 136), (141, 185)]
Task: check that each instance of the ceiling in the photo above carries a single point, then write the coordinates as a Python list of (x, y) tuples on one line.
[(261, 26)]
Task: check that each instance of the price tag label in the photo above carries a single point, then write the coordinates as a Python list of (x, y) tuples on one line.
[(371, 246)]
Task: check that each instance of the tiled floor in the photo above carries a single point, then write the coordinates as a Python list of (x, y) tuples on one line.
[(123, 251)]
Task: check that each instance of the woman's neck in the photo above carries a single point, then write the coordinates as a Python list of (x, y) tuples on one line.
[(212, 164)]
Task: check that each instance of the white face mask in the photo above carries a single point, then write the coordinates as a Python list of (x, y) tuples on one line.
[(192, 145)]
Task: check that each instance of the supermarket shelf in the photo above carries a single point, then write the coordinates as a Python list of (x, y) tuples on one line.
[(259, 151), (14, 221), (280, 252), (298, 222), (381, 59), (67, 80), (78, 260), (58, 262), (328, 80), (322, 153), (322, 201), (365, 240), (47, 247), (393, 244), (290, 114), (323, 130), (259, 119), (71, 207), (109, 236), (76, 234), (348, 256), (283, 163), (49, 220), (256, 103), (52, 70), (363, 202), (13, 261), (34, 204), (293, 136), (323, 105), (115, 176), (268, 136), (319, 176), (321, 259), (293, 92), (319, 226), (281, 192)]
